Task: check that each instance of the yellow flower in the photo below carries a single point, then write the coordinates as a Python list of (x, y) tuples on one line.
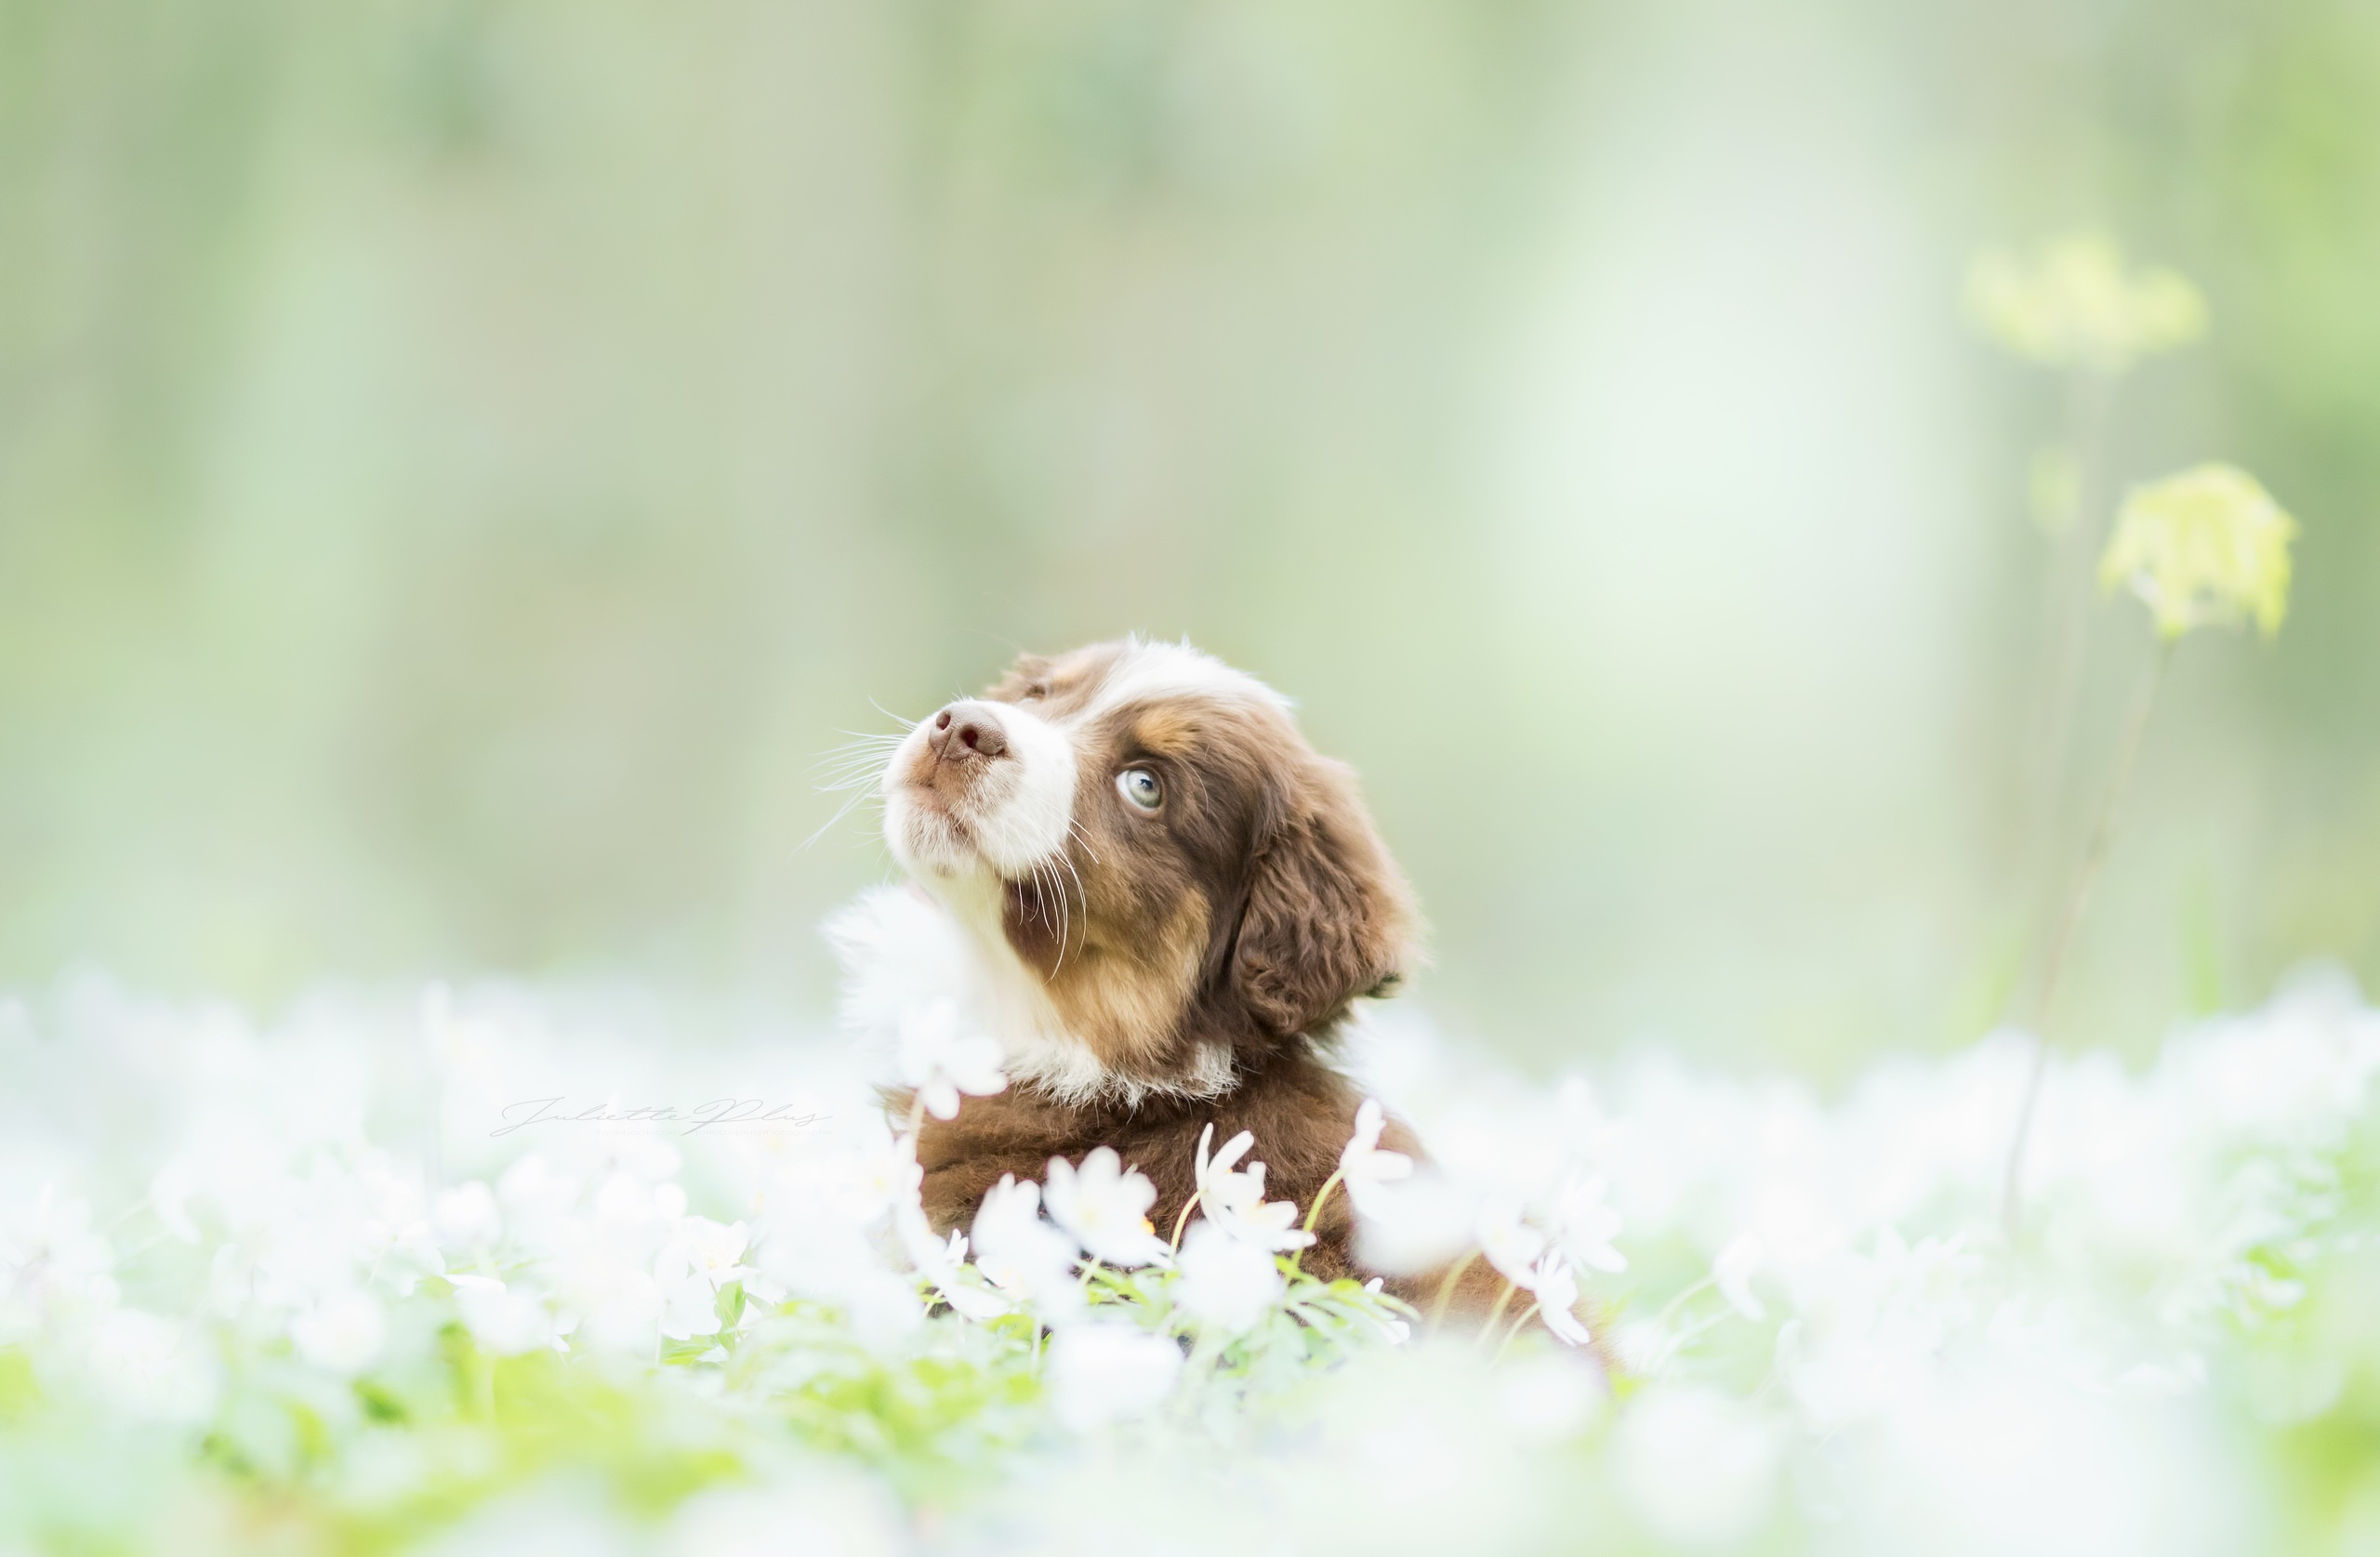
[(2205, 547), (2071, 304)]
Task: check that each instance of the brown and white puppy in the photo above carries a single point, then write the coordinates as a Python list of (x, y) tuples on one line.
[(1138, 875)]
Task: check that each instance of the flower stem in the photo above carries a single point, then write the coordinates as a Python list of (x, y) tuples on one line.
[(1446, 1287), (2067, 594), (1514, 1333), (1313, 1211), (1184, 1219), (1670, 1309), (2086, 876), (1322, 1195), (1496, 1314)]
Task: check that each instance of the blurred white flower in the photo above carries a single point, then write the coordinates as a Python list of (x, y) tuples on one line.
[(1585, 1226), (617, 1307), (1510, 1243), (342, 1334), (1556, 1291), (1415, 1226), (505, 1321), (1107, 1372), (1550, 1395), (51, 1258), (844, 1515), (1105, 1206), (536, 1195), (466, 1219), (1024, 1255), (1731, 1273), (941, 1057), (1233, 1199), (170, 1190), (1363, 1167), (701, 1258), (153, 1369), (1698, 1468), (1227, 1283), (943, 1262), (883, 1175)]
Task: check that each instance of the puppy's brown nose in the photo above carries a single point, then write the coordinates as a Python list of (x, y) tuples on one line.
[(966, 729)]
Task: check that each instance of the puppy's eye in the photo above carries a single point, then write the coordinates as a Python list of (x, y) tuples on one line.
[(1141, 787)]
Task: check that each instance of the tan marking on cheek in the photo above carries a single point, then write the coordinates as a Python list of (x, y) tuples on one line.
[(1125, 998)]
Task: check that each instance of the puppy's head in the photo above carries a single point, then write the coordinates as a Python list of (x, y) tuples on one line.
[(1173, 882)]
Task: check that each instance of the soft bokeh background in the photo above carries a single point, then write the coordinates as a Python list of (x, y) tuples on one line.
[(462, 463)]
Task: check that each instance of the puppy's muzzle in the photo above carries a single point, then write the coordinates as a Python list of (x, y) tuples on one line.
[(967, 731)]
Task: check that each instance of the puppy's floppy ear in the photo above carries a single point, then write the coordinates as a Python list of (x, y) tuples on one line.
[(1327, 917)]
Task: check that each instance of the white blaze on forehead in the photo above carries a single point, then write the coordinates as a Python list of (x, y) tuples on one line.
[(1147, 671), (1016, 816)]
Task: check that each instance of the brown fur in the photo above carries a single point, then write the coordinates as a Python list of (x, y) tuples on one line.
[(1206, 953), (1300, 1110)]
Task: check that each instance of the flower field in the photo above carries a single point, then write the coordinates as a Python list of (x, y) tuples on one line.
[(574, 1270)]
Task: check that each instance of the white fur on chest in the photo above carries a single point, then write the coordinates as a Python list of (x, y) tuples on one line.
[(904, 947)]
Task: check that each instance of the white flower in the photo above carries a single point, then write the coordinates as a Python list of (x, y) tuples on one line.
[(690, 1269), (52, 1257), (1415, 1226), (618, 1309), (170, 1190), (817, 1242), (1510, 1243), (1731, 1273), (1585, 1226), (1556, 1291), (1110, 1372), (466, 1219), (535, 1195), (155, 1369), (853, 1185), (1549, 1395), (504, 1321), (1226, 1282), (1235, 1200), (1022, 1254), (1105, 1205), (1363, 1167), (944, 1263), (342, 1334), (1698, 1468), (941, 1058), (633, 1206), (846, 1515)]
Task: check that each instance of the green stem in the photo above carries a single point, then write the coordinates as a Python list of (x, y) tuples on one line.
[(2067, 598), (480, 1376), (1671, 1308), (1322, 1195), (1446, 1287), (1496, 1314), (2086, 878), (1314, 1210), (1184, 1219), (1514, 1333)]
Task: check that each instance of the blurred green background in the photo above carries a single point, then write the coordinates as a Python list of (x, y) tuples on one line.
[(462, 463)]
